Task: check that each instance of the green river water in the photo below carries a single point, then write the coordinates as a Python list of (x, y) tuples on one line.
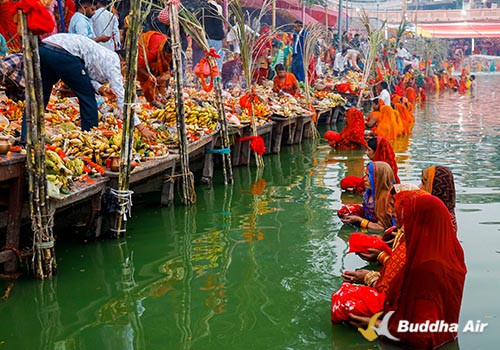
[(253, 266)]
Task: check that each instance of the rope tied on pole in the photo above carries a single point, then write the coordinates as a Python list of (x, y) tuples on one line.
[(124, 198), (171, 178), (218, 150)]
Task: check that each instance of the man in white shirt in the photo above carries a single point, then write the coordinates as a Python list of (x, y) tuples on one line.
[(340, 62), (85, 67), (352, 57), (384, 94), (233, 36), (401, 55), (105, 23)]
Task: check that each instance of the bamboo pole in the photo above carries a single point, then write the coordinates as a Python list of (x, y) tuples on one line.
[(44, 262), (189, 195), (226, 158), (273, 25), (123, 194), (195, 28)]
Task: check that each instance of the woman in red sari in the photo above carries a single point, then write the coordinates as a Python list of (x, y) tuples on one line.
[(430, 287), (379, 149), (392, 264), (352, 137), (261, 53), (8, 28)]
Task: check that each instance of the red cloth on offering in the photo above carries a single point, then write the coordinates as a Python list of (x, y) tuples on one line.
[(356, 300), (344, 87), (350, 209), (430, 286), (257, 144), (332, 136), (39, 19), (360, 243), (353, 183)]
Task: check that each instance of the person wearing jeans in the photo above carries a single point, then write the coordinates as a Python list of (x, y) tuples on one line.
[(85, 67), (401, 54), (214, 27)]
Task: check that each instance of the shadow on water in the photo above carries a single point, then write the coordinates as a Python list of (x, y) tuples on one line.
[(254, 264)]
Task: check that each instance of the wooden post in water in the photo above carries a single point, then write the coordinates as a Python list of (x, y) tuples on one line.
[(188, 193), (123, 194), (44, 262)]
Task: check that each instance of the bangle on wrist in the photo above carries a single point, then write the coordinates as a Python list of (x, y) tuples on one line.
[(382, 257), (364, 223)]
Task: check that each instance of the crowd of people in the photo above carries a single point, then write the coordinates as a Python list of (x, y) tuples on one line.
[(422, 264), (422, 269)]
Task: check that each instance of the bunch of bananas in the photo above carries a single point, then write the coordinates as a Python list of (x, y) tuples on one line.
[(75, 165), (57, 172), (166, 115), (202, 118), (91, 144), (331, 100), (261, 110), (55, 165), (61, 182)]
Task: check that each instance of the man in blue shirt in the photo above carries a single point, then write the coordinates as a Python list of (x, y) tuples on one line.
[(298, 50), (3, 46), (80, 22)]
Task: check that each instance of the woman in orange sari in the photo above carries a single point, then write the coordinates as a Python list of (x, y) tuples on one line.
[(285, 81), (406, 118), (438, 181), (158, 57), (374, 116), (411, 95)]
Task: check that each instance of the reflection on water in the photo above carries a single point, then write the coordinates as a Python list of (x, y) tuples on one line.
[(253, 265)]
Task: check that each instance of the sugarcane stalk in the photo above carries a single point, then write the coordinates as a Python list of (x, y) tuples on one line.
[(128, 112), (189, 196), (43, 263), (193, 27), (258, 158), (226, 158)]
